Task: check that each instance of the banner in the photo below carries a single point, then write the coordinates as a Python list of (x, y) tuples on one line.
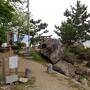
[(13, 62)]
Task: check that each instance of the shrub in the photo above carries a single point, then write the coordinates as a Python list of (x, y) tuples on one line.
[(70, 57), (18, 46), (88, 64), (71, 54), (37, 57), (85, 54), (80, 53), (75, 50)]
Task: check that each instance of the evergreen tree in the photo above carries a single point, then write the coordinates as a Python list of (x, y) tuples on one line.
[(37, 27), (77, 26)]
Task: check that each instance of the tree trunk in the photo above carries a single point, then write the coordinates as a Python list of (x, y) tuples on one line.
[(0, 44)]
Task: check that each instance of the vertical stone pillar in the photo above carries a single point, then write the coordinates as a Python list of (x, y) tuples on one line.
[(49, 68), (27, 73)]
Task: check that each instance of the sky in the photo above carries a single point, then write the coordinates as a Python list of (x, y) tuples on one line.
[(51, 11)]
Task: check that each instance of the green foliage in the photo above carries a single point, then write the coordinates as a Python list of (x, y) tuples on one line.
[(76, 53), (75, 50), (2, 35), (19, 24), (67, 33), (70, 55), (6, 14), (84, 54), (1, 77), (18, 46), (6, 11), (36, 27), (88, 64), (77, 26), (37, 57), (12, 19)]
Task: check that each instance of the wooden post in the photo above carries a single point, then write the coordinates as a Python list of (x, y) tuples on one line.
[(16, 70), (3, 68), (10, 52)]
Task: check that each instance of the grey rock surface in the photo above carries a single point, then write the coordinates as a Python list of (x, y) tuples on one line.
[(65, 68), (52, 49)]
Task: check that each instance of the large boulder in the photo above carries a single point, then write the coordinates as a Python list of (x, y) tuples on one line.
[(65, 68), (52, 49)]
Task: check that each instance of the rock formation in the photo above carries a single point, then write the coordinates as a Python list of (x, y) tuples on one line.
[(54, 51)]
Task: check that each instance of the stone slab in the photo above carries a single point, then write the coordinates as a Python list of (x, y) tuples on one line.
[(23, 80), (10, 79)]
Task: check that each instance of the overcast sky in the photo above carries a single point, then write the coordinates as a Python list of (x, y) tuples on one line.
[(51, 11)]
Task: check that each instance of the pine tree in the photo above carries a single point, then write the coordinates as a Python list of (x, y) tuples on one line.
[(77, 26), (37, 27)]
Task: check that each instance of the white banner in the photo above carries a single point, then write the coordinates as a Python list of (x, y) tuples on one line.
[(13, 62)]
